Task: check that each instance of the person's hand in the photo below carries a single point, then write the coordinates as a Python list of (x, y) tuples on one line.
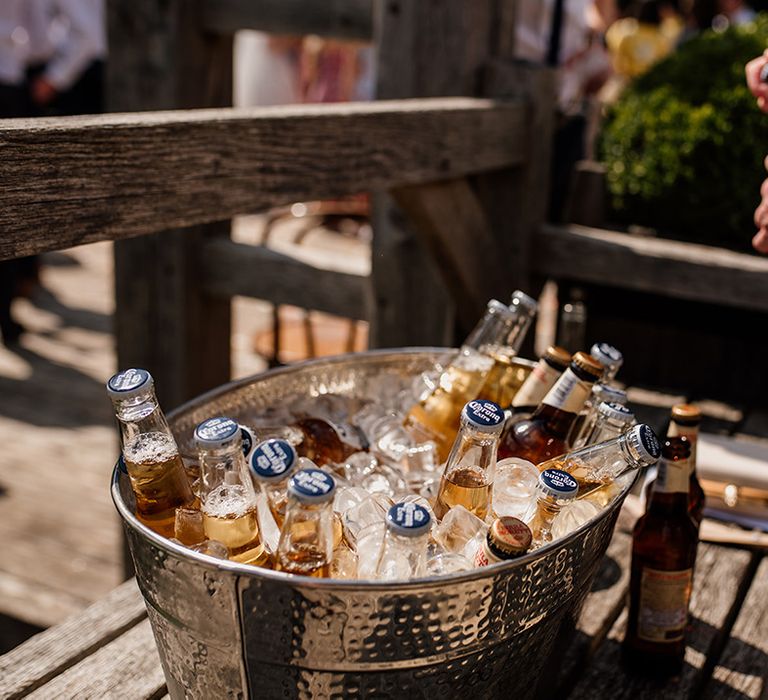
[(760, 240), (758, 87), (42, 91)]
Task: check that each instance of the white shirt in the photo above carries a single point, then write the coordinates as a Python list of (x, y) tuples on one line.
[(66, 35)]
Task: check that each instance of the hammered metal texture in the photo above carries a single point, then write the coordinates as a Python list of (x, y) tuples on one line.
[(229, 631)]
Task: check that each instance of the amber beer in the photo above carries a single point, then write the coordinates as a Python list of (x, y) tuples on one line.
[(544, 435), (663, 557), (150, 453)]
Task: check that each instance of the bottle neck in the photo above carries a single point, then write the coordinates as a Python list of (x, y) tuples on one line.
[(541, 379), (139, 415), (569, 393), (473, 448), (556, 421), (691, 432), (308, 526), (670, 490), (224, 467)]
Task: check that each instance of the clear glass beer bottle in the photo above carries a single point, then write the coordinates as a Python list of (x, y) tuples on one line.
[(227, 496), (541, 379), (306, 538), (272, 464), (613, 419), (544, 435), (664, 545), (150, 452), (468, 475), (504, 379), (404, 551), (555, 489), (684, 422), (585, 422), (611, 358), (437, 416), (507, 539)]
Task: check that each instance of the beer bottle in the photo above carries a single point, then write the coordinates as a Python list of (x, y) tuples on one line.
[(663, 557), (437, 416), (595, 466), (272, 464), (306, 538), (507, 539), (613, 419), (404, 551), (685, 422), (468, 475), (227, 496), (585, 422), (544, 434), (554, 490), (504, 379), (610, 358), (150, 452), (541, 379)]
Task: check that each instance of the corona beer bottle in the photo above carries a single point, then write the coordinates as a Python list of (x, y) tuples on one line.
[(227, 496), (404, 551), (306, 538), (611, 358), (468, 475), (150, 452), (272, 464), (555, 489)]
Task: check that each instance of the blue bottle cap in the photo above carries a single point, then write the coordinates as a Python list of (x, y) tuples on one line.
[(557, 483), (217, 432), (312, 486), (129, 383), (408, 519), (483, 415), (273, 460)]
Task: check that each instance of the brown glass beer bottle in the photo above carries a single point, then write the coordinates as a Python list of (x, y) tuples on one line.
[(544, 435), (663, 556)]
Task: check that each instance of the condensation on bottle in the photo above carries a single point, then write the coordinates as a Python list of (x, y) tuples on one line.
[(404, 550)]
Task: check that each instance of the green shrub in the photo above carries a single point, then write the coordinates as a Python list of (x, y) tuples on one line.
[(684, 144)]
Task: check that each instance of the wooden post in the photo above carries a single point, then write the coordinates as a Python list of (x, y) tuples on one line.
[(445, 48), (160, 59)]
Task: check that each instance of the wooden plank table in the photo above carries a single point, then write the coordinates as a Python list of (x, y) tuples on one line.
[(108, 651)]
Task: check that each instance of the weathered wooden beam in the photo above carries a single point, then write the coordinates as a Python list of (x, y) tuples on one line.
[(65, 182), (338, 19), (453, 225), (673, 268), (234, 268)]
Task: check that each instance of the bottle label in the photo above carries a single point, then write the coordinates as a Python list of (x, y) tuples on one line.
[(569, 393), (673, 476), (664, 597), (541, 379), (272, 459), (128, 380), (484, 557)]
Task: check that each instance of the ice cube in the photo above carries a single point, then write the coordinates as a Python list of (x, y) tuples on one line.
[(370, 540), (213, 548), (572, 516), (348, 496), (514, 489), (268, 529), (344, 563), (458, 528), (371, 511), (386, 480), (441, 562), (188, 526), (357, 467)]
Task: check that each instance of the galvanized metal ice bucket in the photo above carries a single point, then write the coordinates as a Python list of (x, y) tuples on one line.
[(226, 630)]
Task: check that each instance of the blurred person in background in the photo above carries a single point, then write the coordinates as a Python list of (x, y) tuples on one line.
[(51, 63), (757, 81), (567, 34), (733, 13)]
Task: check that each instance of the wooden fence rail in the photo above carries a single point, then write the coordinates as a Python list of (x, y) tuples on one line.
[(75, 180)]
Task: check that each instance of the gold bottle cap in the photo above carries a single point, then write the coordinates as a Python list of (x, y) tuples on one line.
[(509, 537), (686, 414), (558, 357), (588, 364)]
